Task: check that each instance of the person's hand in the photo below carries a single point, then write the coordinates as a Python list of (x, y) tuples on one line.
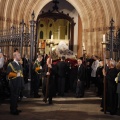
[(104, 73), (40, 67), (18, 74), (47, 73), (116, 79)]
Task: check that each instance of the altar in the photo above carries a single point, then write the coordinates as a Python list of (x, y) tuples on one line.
[(56, 47)]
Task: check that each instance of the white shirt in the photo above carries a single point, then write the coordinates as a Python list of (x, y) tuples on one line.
[(16, 61), (1, 62), (94, 67)]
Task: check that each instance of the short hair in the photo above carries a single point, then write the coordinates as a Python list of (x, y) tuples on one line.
[(16, 49), (96, 56), (63, 57), (15, 53), (81, 58), (112, 62)]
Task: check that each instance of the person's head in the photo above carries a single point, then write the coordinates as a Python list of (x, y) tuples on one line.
[(101, 63), (111, 63), (107, 61), (118, 65), (16, 50), (63, 58), (95, 58), (79, 61), (39, 58), (17, 56), (26, 56)]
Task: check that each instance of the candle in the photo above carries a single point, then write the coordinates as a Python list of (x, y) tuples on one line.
[(104, 38)]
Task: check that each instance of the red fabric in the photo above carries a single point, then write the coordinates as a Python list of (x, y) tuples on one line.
[(73, 62)]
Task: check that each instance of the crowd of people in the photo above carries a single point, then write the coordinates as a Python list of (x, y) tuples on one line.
[(106, 79), (56, 78)]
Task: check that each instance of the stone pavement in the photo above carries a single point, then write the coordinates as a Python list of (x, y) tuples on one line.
[(66, 108)]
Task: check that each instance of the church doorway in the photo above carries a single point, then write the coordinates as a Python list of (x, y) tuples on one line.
[(62, 23)]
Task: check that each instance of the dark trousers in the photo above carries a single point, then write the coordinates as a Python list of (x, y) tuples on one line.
[(112, 99), (80, 89), (119, 101), (61, 86), (88, 79), (50, 90), (94, 81), (100, 86), (14, 98), (36, 84)]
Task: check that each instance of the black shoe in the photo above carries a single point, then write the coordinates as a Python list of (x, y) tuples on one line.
[(45, 100), (118, 113), (102, 110), (59, 94), (77, 96), (37, 96), (19, 111), (50, 102), (112, 113), (81, 96), (14, 113)]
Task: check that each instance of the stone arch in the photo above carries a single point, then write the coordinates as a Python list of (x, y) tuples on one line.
[(47, 1), (106, 9)]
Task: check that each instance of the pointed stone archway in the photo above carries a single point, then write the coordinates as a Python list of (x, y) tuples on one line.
[(66, 16)]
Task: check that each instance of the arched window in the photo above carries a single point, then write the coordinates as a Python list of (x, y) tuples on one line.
[(41, 34), (50, 33)]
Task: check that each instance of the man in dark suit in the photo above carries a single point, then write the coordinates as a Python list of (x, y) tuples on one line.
[(80, 79), (16, 82), (62, 70), (37, 67)]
